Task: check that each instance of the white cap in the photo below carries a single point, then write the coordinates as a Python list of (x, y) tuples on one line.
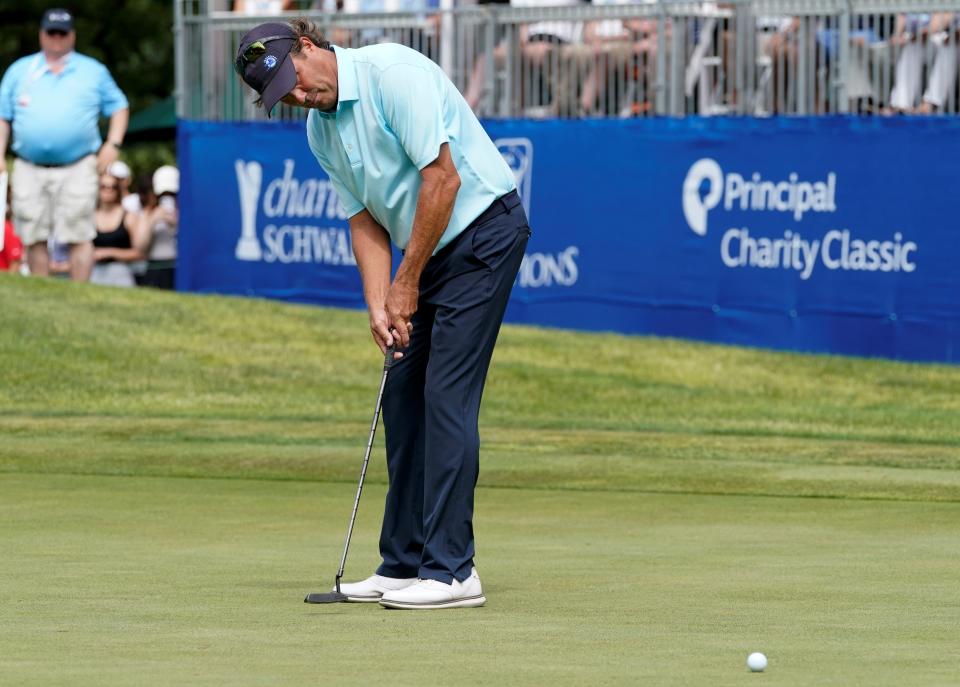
[(166, 180), (119, 169)]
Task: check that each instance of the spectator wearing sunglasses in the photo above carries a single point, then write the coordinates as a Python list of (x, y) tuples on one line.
[(116, 245), (51, 101)]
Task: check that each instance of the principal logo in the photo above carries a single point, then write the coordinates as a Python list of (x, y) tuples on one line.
[(695, 205), (293, 207), (518, 154), (706, 186), (752, 193), (270, 61)]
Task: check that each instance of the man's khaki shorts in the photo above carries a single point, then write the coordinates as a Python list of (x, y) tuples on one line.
[(58, 200)]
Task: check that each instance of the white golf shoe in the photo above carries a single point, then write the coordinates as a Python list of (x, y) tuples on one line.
[(372, 588), (427, 594)]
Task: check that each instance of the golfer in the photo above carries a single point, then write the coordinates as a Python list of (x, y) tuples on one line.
[(411, 165)]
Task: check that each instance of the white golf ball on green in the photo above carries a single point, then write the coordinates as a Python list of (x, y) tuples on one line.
[(756, 662)]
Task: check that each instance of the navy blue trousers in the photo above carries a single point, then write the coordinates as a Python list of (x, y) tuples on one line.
[(431, 403)]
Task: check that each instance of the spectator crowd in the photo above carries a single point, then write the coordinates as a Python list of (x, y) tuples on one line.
[(598, 66)]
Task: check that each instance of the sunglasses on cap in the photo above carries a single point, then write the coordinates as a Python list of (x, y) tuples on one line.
[(57, 33), (254, 51)]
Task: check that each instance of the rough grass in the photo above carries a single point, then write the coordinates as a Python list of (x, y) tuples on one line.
[(102, 381)]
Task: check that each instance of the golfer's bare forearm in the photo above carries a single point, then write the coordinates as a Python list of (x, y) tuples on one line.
[(371, 248), (438, 193)]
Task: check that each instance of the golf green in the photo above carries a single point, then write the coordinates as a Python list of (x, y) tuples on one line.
[(152, 580)]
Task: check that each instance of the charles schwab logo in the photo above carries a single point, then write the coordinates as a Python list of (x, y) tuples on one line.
[(538, 270), (294, 205), (293, 238), (706, 185)]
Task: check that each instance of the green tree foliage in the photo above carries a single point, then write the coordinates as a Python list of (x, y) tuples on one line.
[(133, 38)]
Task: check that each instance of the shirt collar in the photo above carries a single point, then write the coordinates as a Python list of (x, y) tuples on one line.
[(43, 66), (347, 88)]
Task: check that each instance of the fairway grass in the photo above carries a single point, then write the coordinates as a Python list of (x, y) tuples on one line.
[(132, 581), (177, 471)]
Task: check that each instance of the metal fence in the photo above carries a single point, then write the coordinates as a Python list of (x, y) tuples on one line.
[(664, 57)]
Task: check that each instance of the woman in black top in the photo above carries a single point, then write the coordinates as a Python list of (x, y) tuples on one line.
[(114, 246)]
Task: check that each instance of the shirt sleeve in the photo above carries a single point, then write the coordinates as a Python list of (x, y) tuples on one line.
[(7, 86), (111, 97), (351, 205), (413, 109)]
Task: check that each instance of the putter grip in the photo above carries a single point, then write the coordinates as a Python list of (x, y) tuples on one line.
[(388, 357)]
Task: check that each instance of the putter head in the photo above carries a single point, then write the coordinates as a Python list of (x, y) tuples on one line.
[(328, 598)]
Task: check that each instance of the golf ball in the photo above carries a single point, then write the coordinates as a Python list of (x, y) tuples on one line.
[(756, 662)]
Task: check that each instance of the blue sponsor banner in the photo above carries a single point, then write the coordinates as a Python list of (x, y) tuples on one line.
[(817, 234)]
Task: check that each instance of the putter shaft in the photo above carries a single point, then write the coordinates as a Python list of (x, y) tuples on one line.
[(387, 363)]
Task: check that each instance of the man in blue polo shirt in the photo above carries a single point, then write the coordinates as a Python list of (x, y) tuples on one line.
[(52, 101), (411, 165)]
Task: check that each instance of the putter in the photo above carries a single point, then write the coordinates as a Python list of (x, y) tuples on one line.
[(336, 596)]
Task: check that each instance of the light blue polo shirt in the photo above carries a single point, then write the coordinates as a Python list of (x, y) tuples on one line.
[(396, 108), (56, 117)]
